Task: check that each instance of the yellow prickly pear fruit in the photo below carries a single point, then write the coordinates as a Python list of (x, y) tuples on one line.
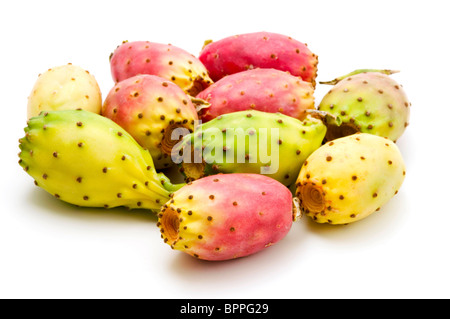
[(66, 87), (349, 178)]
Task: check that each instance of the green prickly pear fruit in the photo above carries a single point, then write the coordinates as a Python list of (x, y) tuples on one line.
[(255, 142), (349, 178), (367, 101), (87, 160), (66, 87)]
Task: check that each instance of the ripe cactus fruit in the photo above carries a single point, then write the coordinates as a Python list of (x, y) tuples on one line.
[(368, 102), (349, 178), (259, 50), (66, 87), (166, 61), (256, 142), (150, 108), (228, 216), (86, 159), (266, 90)]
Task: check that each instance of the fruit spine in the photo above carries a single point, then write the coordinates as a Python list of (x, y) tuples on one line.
[(227, 216), (266, 90), (85, 159), (349, 178)]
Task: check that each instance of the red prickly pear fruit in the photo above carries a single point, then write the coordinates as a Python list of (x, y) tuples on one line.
[(150, 108), (259, 50), (266, 90), (164, 60), (227, 216)]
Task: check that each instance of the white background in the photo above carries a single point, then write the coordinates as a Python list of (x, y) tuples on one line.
[(49, 249)]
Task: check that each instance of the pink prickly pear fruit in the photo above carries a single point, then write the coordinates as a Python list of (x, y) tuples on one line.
[(164, 60), (266, 90), (259, 50), (227, 216), (150, 108)]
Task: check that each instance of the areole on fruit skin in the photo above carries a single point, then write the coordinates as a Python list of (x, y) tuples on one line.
[(164, 60), (88, 160), (227, 216), (150, 108), (259, 50), (349, 178), (267, 90)]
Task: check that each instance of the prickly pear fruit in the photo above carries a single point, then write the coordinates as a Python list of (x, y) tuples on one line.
[(349, 178), (150, 108), (86, 159), (66, 87), (259, 50), (368, 102), (266, 90), (256, 142), (166, 61), (227, 216)]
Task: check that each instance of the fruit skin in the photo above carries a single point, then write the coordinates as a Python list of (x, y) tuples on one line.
[(66, 87), (349, 178), (266, 90), (227, 216), (259, 50), (164, 60), (292, 139), (150, 108), (368, 102), (87, 160)]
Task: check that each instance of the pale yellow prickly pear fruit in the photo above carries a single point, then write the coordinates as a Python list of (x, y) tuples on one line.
[(349, 178), (66, 87)]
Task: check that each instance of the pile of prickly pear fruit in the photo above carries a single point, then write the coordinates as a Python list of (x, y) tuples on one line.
[(240, 123)]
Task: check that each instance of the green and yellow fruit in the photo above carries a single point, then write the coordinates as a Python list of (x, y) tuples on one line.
[(367, 101), (254, 142), (349, 178), (85, 159)]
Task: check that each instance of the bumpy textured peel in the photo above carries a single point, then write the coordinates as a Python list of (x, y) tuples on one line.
[(350, 178), (85, 159), (150, 108), (227, 216), (66, 87), (239, 142), (259, 50), (266, 90), (369, 102), (164, 60)]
